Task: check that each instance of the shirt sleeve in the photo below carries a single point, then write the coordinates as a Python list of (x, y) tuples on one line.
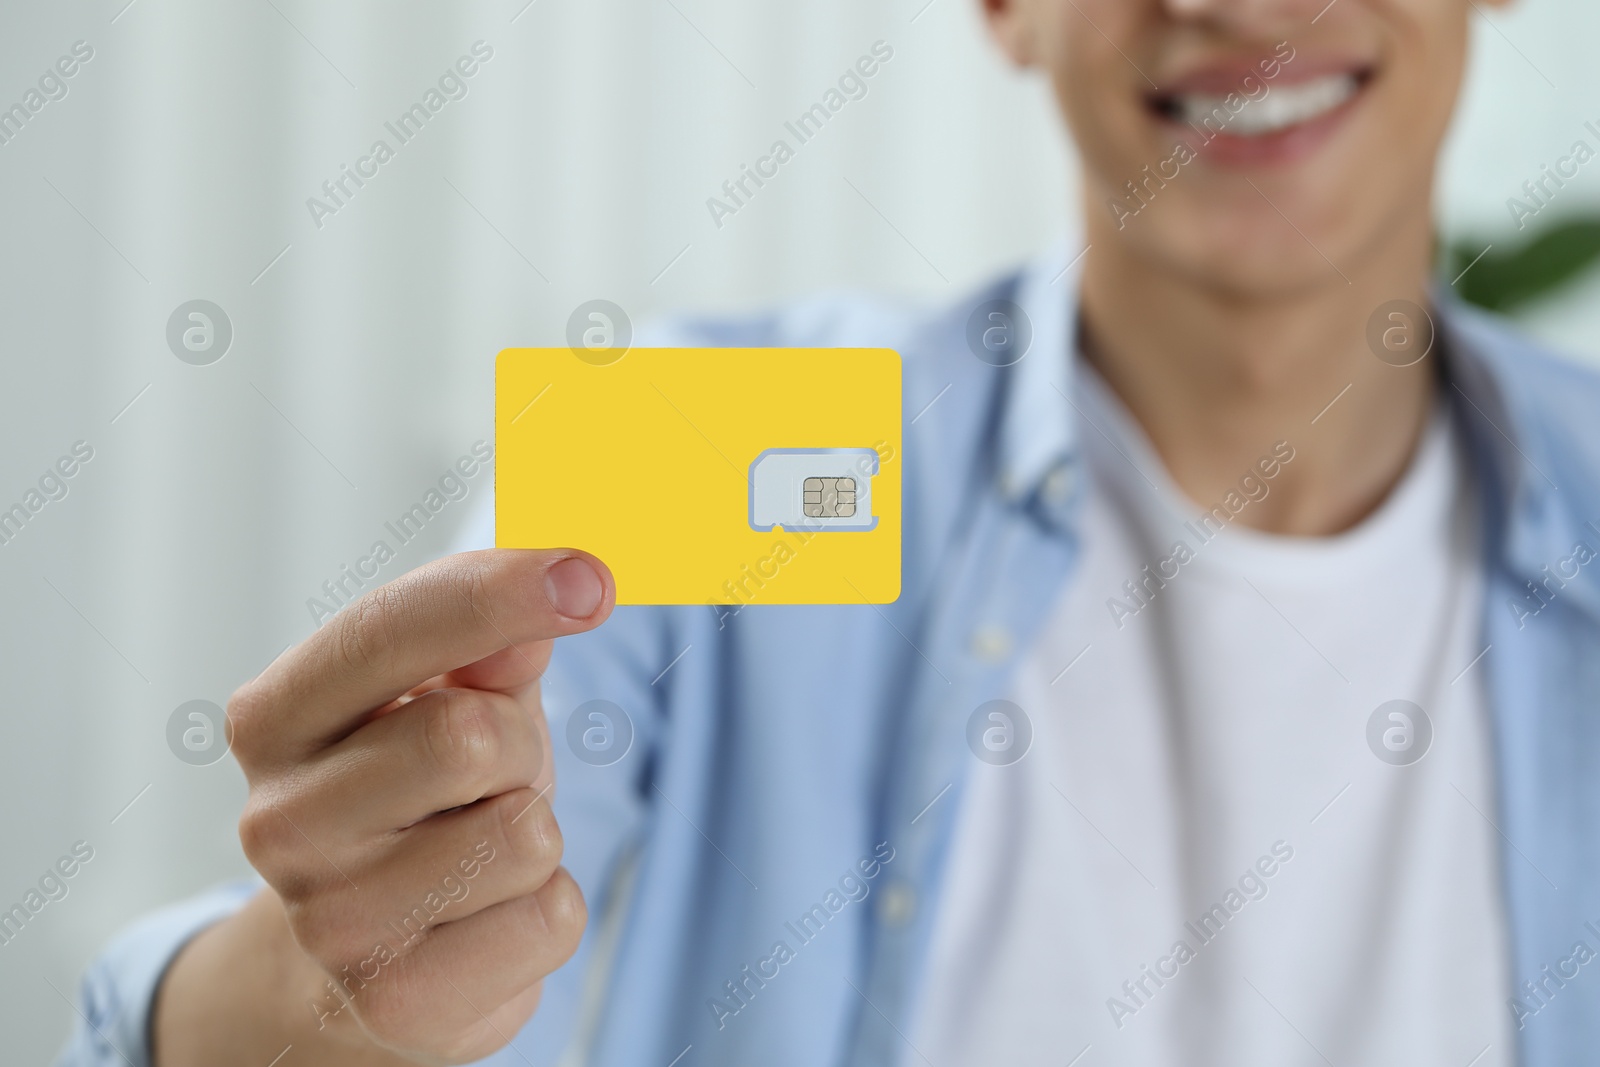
[(112, 1024)]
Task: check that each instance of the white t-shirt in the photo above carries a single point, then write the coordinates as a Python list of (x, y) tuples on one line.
[(1202, 859)]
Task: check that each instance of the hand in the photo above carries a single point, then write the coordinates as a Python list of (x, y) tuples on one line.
[(399, 809)]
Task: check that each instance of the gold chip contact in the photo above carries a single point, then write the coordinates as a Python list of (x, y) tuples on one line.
[(829, 498)]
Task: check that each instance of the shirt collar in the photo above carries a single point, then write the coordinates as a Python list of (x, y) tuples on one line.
[(1534, 519), (1037, 434), (1540, 498)]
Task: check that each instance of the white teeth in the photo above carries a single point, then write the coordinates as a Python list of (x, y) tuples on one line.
[(1283, 106)]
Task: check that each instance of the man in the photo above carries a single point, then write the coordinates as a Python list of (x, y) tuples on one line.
[(1238, 707)]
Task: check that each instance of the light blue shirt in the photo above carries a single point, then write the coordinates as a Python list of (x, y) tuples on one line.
[(795, 771)]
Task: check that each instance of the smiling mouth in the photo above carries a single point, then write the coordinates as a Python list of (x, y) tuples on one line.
[(1283, 107)]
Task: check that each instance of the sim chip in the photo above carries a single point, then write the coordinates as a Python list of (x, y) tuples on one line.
[(829, 498), (813, 489)]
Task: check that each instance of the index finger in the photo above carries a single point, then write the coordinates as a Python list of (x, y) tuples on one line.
[(447, 614)]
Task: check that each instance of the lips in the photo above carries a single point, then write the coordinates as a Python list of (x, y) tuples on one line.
[(1248, 117), (1281, 108)]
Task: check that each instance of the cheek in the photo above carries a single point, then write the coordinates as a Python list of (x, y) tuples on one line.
[(1077, 43), (1424, 54), (1097, 54), (1108, 126)]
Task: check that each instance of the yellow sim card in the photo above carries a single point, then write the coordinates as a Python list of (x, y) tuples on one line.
[(727, 476)]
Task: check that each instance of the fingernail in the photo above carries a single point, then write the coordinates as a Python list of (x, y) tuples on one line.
[(574, 588)]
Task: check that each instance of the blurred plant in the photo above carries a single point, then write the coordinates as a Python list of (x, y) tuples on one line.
[(1505, 281)]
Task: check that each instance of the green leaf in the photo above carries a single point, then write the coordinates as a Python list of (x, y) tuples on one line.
[(1507, 278)]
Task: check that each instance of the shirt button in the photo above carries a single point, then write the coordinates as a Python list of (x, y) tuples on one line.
[(897, 904), (991, 643)]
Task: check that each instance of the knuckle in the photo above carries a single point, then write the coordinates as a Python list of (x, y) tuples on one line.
[(410, 1008), (564, 912), (461, 734), (531, 832), (507, 590), (325, 930), (263, 834), (277, 850), (478, 586), (248, 720), (367, 635), (389, 1013)]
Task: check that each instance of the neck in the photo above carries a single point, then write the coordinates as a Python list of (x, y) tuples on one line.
[(1217, 378)]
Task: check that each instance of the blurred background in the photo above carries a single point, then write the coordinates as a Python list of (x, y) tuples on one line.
[(351, 362)]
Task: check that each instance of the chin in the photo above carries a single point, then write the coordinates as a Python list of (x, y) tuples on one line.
[(1247, 279), (1239, 247), (1255, 275)]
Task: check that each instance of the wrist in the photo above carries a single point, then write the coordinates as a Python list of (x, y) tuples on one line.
[(243, 989)]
